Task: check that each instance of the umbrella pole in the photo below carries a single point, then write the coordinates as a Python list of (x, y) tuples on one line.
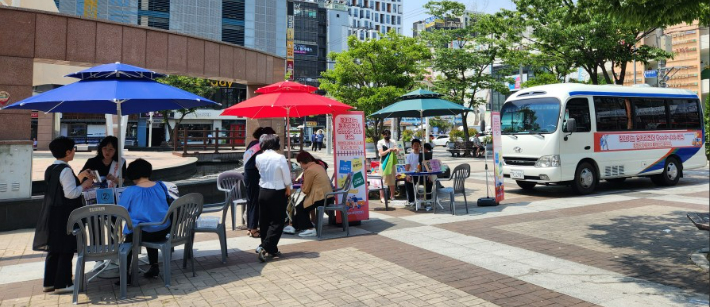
[(288, 138), (120, 144)]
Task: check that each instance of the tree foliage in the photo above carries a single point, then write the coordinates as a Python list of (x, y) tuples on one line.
[(372, 74), (198, 86), (462, 57), (653, 13), (440, 123), (579, 34)]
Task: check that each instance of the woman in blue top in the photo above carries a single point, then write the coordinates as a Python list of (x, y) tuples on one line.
[(146, 203)]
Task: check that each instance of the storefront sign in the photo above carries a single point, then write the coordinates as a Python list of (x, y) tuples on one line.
[(303, 49), (349, 158), (647, 140), (290, 26), (289, 70), (497, 157), (34, 115), (311, 124), (4, 98)]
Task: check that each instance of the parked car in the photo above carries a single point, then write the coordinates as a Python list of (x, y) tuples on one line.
[(440, 140)]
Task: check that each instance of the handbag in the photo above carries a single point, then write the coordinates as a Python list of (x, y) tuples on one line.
[(390, 165)]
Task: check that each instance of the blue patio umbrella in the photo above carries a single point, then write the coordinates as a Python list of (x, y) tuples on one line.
[(115, 88)]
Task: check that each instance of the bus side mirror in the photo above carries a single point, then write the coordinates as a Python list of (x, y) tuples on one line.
[(571, 125)]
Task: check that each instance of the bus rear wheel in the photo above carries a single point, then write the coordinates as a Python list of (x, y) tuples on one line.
[(525, 185), (585, 179), (671, 173)]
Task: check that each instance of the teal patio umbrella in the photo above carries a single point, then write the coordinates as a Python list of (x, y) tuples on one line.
[(421, 103)]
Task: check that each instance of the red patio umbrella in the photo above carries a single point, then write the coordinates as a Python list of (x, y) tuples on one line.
[(286, 99)]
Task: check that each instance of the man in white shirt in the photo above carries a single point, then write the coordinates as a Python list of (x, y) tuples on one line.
[(385, 146), (275, 184)]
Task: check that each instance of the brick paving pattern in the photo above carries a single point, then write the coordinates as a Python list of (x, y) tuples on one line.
[(626, 245)]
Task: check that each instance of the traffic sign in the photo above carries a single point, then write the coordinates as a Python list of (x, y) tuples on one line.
[(650, 74)]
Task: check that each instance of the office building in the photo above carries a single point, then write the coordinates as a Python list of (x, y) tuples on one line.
[(370, 19), (257, 24), (432, 23), (690, 44)]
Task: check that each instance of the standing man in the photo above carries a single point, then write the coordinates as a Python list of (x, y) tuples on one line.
[(386, 146), (319, 139), (314, 143)]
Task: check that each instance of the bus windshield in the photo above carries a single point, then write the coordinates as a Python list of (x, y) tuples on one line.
[(528, 116)]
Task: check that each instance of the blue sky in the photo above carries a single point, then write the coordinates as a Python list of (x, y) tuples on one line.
[(414, 10)]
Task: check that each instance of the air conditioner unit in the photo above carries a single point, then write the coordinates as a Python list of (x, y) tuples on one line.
[(15, 169)]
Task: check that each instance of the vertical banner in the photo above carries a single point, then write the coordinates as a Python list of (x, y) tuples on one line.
[(349, 131), (497, 157), (290, 25)]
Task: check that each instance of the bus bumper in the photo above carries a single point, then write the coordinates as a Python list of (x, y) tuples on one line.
[(534, 174)]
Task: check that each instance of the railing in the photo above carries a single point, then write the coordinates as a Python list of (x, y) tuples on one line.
[(209, 139)]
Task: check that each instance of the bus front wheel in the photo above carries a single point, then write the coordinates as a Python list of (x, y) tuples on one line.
[(670, 174), (585, 179), (525, 185)]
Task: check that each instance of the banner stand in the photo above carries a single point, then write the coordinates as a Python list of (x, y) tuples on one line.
[(349, 156)]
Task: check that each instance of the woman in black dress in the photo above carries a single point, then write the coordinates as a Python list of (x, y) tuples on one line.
[(62, 197), (106, 161), (251, 181)]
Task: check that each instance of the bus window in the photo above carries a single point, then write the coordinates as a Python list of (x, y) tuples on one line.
[(684, 114), (650, 114), (613, 114), (578, 109)]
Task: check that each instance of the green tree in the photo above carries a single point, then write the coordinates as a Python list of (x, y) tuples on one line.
[(198, 86), (541, 79), (462, 57), (440, 123), (372, 74), (654, 13), (577, 32)]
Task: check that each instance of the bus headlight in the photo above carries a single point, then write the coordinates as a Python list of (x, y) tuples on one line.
[(548, 161)]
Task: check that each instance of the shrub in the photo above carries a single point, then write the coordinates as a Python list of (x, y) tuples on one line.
[(456, 135), (407, 135)]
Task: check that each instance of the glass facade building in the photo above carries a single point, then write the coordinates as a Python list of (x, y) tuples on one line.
[(257, 24)]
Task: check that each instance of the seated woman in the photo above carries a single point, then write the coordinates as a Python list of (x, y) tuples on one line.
[(146, 203), (316, 185), (106, 161)]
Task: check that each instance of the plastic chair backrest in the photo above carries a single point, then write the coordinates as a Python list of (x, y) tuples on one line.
[(460, 173), (227, 180), (348, 182), (183, 214), (98, 229)]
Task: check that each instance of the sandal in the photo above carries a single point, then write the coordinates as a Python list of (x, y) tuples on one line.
[(254, 233)]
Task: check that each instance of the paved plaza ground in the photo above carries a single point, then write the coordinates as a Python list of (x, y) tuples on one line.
[(626, 245)]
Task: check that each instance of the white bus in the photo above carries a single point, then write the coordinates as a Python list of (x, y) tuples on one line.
[(577, 134)]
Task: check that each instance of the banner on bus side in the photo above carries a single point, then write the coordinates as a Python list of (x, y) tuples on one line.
[(621, 141)]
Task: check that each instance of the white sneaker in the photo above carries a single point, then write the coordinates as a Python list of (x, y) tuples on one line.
[(69, 289), (289, 230), (308, 233)]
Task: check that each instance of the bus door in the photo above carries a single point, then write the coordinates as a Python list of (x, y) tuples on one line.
[(580, 143)]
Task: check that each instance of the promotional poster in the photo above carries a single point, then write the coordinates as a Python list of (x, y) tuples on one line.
[(621, 141), (349, 145)]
